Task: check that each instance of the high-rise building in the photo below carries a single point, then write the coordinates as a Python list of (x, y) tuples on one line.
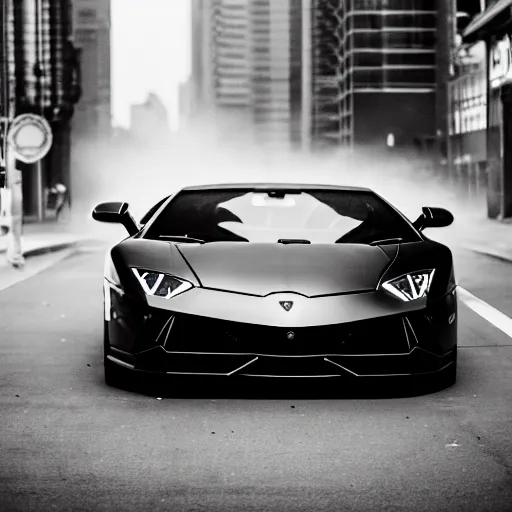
[(91, 34), (149, 121), (374, 71), (246, 67), (185, 103), (328, 73)]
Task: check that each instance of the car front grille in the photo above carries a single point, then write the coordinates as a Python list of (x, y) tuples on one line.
[(193, 334)]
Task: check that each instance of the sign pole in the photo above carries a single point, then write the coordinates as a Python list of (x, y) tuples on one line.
[(39, 99), (40, 200)]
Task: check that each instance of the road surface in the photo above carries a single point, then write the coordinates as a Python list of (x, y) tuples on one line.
[(70, 443)]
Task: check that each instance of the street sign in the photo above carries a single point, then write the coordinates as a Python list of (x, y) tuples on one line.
[(500, 65), (30, 137)]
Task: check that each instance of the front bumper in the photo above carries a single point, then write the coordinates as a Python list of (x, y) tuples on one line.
[(418, 362), (410, 342)]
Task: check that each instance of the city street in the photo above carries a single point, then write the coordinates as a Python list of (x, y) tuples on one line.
[(70, 443)]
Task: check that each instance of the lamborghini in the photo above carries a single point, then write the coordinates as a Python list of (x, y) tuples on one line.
[(278, 280)]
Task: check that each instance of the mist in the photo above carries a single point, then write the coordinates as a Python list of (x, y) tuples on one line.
[(142, 173)]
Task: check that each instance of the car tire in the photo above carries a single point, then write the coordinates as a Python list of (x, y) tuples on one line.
[(114, 375), (449, 377)]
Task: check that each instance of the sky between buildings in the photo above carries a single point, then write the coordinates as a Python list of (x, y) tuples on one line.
[(150, 53)]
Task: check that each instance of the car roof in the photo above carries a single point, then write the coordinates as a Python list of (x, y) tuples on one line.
[(286, 186)]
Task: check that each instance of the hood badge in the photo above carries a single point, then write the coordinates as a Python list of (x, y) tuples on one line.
[(290, 335), (287, 304)]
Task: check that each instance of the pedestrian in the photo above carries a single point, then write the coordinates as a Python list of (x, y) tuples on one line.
[(15, 215), (4, 203), (390, 141), (62, 196)]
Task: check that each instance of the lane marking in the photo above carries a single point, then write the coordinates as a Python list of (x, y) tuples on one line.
[(486, 311), (484, 346)]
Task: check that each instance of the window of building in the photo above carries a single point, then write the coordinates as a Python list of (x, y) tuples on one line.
[(407, 5), (410, 77), (369, 21), (368, 59), (409, 39), (366, 5), (369, 77), (368, 39), (411, 20), (411, 59)]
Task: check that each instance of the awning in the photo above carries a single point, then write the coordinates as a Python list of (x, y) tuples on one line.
[(480, 22)]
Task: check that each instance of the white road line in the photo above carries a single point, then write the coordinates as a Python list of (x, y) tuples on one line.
[(486, 311)]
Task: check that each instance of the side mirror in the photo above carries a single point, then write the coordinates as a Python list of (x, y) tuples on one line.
[(116, 213), (433, 218)]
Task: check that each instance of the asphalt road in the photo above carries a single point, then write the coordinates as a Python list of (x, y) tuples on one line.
[(70, 443)]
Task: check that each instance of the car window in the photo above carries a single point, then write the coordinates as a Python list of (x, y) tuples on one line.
[(317, 216)]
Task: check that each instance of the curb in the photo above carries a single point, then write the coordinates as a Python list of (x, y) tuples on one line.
[(491, 254), (46, 249), (38, 251)]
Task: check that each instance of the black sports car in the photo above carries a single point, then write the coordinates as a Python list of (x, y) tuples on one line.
[(278, 280)]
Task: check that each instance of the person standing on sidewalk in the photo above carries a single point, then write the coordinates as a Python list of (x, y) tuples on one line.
[(15, 224), (390, 141), (62, 198), (3, 227)]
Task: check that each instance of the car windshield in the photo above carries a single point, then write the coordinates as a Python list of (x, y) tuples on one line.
[(308, 216)]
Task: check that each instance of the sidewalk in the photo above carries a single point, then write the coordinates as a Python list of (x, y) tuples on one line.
[(478, 234), (45, 237)]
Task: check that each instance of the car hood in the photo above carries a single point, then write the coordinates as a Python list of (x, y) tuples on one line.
[(264, 268)]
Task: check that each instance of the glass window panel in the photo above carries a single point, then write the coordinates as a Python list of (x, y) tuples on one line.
[(424, 77), (420, 5), (370, 21), (368, 40), (369, 77), (367, 4), (412, 39), (411, 59), (371, 59), (411, 20)]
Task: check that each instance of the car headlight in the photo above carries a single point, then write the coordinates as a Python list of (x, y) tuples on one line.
[(412, 286), (161, 285)]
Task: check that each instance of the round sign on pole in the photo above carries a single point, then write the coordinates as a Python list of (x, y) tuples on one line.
[(30, 137)]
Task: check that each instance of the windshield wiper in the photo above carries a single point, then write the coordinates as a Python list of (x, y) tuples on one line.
[(175, 238), (293, 241), (387, 241)]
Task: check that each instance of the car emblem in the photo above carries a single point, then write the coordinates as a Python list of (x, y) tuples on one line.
[(287, 305), (290, 335)]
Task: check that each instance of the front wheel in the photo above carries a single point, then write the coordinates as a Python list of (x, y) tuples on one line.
[(449, 376)]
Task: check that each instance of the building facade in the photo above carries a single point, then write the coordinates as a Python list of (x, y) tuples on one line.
[(469, 105), (374, 71), (149, 121), (247, 68), (493, 27), (185, 104), (466, 153), (91, 36), (42, 74), (326, 73)]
